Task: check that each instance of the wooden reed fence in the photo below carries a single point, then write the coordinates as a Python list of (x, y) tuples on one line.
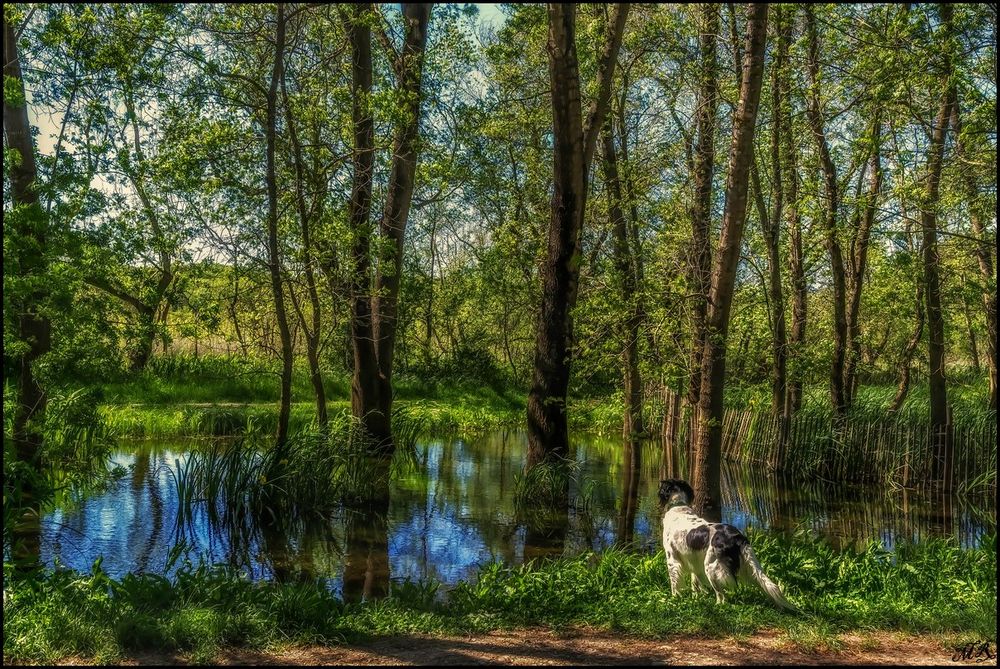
[(896, 449)]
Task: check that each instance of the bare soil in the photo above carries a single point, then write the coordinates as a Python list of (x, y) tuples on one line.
[(584, 646)]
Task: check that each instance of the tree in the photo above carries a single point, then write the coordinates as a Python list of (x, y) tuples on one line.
[(273, 257), (573, 150), (627, 274), (831, 214), (941, 443), (365, 385), (983, 249), (25, 265), (707, 481), (704, 169), (408, 66)]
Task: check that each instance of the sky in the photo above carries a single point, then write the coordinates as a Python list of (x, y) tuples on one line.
[(490, 13), (48, 125)]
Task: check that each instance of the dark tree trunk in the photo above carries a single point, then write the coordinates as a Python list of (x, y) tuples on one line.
[(29, 231), (409, 71), (310, 327), (628, 192), (27, 236), (815, 113), (941, 443), (365, 387), (984, 253), (625, 269), (707, 480), (796, 258), (771, 227), (973, 344), (700, 268), (273, 257), (573, 149), (148, 313)]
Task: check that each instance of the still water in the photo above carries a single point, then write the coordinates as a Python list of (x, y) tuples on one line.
[(455, 511)]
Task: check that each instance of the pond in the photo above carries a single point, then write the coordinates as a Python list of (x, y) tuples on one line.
[(454, 512)]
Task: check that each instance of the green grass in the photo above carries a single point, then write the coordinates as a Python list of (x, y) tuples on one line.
[(230, 396), (928, 588), (470, 414), (161, 400), (184, 379)]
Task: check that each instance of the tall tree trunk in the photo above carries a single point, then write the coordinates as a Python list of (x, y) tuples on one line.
[(700, 267), (628, 192), (941, 442), (796, 258), (143, 351), (771, 227), (815, 113), (859, 257), (409, 71), (365, 387), (625, 269), (573, 150), (273, 256), (310, 328), (707, 481), (27, 237), (984, 252)]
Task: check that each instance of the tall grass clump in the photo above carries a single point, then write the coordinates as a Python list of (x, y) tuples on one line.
[(545, 485), (314, 473)]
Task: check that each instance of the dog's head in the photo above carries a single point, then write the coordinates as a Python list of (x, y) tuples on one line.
[(674, 492)]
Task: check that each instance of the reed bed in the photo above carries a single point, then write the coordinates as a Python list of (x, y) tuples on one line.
[(892, 449), (249, 479)]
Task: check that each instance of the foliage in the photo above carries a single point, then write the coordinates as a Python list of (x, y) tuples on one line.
[(929, 587)]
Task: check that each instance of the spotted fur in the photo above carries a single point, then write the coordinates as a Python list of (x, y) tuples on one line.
[(716, 555)]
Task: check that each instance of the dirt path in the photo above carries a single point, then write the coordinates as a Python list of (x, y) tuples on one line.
[(581, 646)]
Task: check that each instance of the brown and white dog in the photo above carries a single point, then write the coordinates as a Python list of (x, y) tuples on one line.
[(714, 554)]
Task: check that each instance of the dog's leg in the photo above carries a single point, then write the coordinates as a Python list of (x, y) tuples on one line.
[(696, 584), (674, 567), (719, 578)]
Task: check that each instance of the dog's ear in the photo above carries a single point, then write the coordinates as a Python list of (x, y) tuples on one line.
[(688, 490), (664, 491)]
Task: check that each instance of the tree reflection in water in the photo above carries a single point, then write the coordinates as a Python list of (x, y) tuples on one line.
[(631, 471), (366, 535), (366, 557)]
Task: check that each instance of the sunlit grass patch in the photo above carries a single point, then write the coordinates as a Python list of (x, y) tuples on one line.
[(930, 588)]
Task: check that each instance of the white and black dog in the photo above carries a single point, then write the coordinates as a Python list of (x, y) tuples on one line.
[(714, 554)]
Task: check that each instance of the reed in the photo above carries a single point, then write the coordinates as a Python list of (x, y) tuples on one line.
[(314, 474)]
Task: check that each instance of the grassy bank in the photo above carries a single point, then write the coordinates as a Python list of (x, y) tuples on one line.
[(931, 587), (220, 396), (180, 395), (218, 419)]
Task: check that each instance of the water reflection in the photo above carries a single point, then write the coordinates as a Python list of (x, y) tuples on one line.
[(454, 511), (366, 560), (631, 470)]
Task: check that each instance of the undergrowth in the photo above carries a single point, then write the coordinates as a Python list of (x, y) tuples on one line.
[(932, 587)]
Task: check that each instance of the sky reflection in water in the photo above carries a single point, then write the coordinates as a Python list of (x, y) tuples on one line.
[(455, 512)]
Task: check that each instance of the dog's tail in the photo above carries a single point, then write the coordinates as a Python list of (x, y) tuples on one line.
[(755, 571)]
